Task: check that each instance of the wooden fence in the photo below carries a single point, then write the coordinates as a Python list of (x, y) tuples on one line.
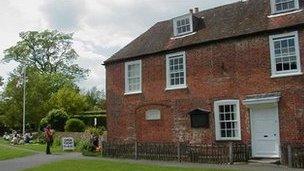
[(214, 153), (293, 155)]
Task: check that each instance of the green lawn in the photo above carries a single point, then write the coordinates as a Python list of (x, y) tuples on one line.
[(33, 147), (102, 165), (7, 152)]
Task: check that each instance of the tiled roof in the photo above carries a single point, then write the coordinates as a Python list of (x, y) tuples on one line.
[(237, 19)]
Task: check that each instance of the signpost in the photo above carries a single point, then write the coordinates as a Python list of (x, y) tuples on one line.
[(68, 143)]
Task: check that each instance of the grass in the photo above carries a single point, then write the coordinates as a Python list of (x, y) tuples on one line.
[(102, 165), (7, 152), (32, 147)]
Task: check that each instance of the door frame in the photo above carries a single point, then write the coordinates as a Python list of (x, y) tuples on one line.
[(264, 106), (260, 101)]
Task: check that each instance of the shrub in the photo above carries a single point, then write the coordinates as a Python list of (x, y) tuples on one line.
[(85, 145), (74, 125), (56, 118), (95, 131)]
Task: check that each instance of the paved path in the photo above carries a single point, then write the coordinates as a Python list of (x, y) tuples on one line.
[(20, 164), (34, 160)]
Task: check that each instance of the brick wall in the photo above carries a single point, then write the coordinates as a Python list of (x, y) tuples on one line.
[(229, 69)]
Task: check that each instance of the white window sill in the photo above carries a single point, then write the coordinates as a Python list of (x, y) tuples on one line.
[(284, 13), (132, 93), (229, 139), (287, 75), (176, 88), (183, 35)]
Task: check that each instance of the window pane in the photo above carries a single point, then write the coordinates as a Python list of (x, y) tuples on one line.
[(221, 109), (133, 74), (286, 66), (285, 59), (279, 67), (223, 134), (294, 65), (227, 116), (176, 71)]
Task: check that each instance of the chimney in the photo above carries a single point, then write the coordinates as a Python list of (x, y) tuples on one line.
[(196, 9), (191, 11)]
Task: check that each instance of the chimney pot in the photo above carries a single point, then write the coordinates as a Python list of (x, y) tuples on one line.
[(196, 9), (191, 11)]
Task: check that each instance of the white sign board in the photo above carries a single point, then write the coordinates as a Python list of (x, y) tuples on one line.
[(153, 114), (68, 143)]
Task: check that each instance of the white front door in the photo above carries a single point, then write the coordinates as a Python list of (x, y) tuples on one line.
[(265, 131)]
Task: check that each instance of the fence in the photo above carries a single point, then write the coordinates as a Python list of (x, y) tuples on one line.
[(214, 153), (293, 155)]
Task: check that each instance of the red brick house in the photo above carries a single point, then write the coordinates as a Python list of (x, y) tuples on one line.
[(232, 73)]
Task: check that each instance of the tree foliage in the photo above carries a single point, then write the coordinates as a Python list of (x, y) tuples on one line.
[(96, 99), (47, 51), (56, 118), (74, 125), (40, 88), (1, 81), (70, 100)]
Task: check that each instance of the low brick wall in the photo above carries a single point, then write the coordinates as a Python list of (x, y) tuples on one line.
[(76, 135)]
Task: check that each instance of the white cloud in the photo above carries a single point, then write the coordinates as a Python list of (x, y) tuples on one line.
[(100, 27)]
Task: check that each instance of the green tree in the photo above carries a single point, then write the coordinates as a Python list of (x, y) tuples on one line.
[(74, 125), (39, 89), (96, 99), (1, 81), (46, 51), (70, 100), (56, 118)]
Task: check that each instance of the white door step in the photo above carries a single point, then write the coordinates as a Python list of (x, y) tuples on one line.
[(265, 161)]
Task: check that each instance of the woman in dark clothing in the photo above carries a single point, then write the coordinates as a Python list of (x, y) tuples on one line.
[(48, 133)]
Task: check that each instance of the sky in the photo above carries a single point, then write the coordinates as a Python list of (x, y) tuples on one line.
[(100, 27)]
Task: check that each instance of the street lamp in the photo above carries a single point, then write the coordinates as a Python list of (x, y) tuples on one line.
[(24, 86)]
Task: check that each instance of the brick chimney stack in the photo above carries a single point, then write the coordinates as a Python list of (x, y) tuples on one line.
[(196, 9)]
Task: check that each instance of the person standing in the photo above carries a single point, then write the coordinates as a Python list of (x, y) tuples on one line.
[(48, 133)]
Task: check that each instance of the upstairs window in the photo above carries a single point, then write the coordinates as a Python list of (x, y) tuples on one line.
[(183, 25), (285, 55), (279, 6), (133, 77), (227, 120), (176, 70)]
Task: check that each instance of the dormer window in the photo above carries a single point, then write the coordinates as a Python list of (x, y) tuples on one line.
[(280, 6), (183, 25)]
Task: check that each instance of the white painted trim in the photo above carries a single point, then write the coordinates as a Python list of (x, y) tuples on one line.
[(275, 73), (217, 120), (181, 18), (261, 100), (274, 11), (131, 93), (285, 13), (176, 88), (182, 36), (127, 92), (181, 86), (287, 75)]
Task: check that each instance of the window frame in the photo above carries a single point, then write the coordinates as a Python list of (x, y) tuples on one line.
[(217, 119), (168, 78), (127, 91), (274, 72), (190, 17), (275, 11)]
